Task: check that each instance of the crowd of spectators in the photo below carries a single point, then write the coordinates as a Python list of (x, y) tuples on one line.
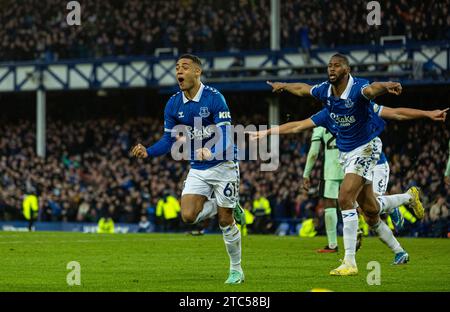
[(88, 172), (36, 29)]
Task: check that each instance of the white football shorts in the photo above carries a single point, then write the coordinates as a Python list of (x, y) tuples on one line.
[(362, 160), (380, 178), (222, 181)]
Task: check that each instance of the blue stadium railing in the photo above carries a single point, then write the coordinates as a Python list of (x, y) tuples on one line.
[(246, 71)]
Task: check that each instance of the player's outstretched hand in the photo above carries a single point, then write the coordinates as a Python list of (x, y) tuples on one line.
[(438, 114), (306, 184), (257, 135), (139, 151), (203, 154), (394, 88), (277, 87)]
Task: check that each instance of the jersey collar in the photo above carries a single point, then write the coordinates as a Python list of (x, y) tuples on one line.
[(196, 97), (346, 92)]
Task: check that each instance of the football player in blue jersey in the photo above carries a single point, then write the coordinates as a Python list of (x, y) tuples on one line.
[(348, 113), (381, 169), (200, 115)]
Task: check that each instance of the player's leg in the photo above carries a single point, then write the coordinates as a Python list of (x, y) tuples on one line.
[(195, 205), (358, 167), (389, 203), (238, 211), (412, 199), (371, 209), (196, 208), (380, 184), (232, 240), (329, 192), (331, 221), (348, 193), (225, 179)]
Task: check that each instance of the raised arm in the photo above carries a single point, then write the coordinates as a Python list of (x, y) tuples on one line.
[(403, 113), (287, 128), (296, 88), (376, 89)]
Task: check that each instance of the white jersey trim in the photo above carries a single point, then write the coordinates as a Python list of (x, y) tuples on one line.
[(223, 123), (362, 92)]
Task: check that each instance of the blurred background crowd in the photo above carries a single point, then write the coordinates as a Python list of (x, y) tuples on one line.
[(34, 29), (88, 173)]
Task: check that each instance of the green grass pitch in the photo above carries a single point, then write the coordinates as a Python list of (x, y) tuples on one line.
[(176, 262)]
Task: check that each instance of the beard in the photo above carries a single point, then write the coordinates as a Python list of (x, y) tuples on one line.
[(336, 80)]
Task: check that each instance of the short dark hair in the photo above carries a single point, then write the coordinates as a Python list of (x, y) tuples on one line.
[(192, 57), (342, 57)]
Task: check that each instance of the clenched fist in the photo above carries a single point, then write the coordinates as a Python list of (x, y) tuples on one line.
[(139, 151), (203, 154), (394, 87)]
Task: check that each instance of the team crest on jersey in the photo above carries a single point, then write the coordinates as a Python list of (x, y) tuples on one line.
[(204, 112), (348, 103)]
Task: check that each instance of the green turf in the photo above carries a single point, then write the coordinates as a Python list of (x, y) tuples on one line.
[(176, 262)]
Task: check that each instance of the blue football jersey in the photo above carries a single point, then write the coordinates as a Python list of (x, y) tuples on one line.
[(350, 117), (199, 117)]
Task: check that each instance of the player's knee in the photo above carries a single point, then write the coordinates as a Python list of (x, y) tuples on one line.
[(371, 211), (371, 220), (225, 217), (329, 203), (370, 206), (188, 216), (345, 201)]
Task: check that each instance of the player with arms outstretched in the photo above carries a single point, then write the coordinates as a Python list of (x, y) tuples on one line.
[(348, 113), (332, 169), (201, 110)]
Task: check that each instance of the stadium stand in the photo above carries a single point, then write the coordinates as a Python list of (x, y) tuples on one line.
[(35, 29)]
